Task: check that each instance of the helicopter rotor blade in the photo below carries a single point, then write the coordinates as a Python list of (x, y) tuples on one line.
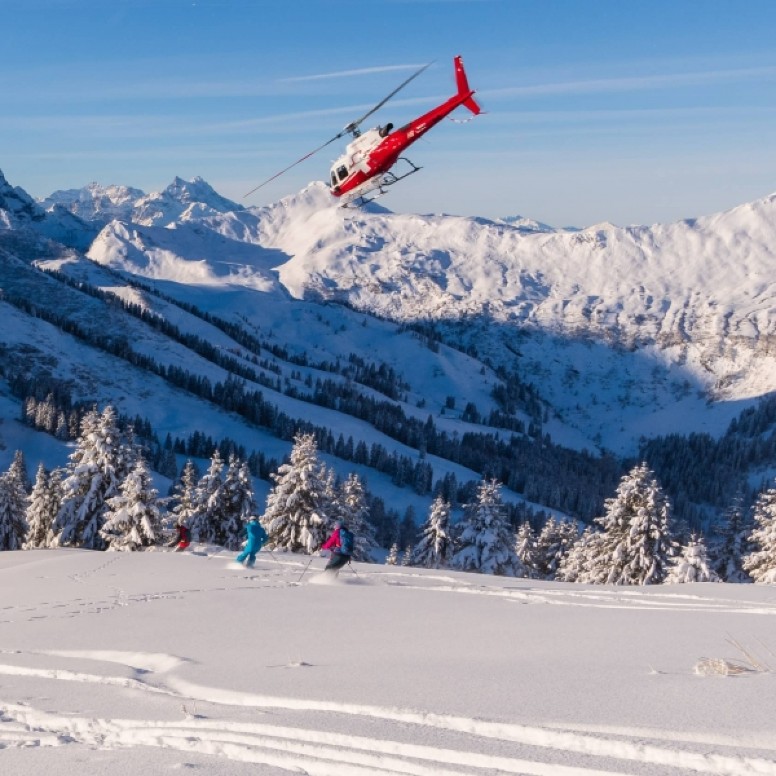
[(354, 124), (293, 164)]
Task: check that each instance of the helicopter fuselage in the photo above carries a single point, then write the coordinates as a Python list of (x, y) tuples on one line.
[(369, 157)]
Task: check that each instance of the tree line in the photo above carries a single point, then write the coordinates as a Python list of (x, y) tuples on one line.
[(104, 499)]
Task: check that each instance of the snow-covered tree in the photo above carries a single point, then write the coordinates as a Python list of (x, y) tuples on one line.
[(406, 558), (329, 503), (18, 471), (433, 550), (239, 503), (761, 562), (553, 543), (485, 541), (732, 545), (636, 543), (576, 564), (13, 508), (96, 469), (353, 509), (692, 564), (211, 504), (132, 521), (295, 518), (184, 494), (42, 508), (392, 559), (61, 431), (526, 550)]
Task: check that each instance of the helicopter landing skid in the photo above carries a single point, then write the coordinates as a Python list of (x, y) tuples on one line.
[(387, 180)]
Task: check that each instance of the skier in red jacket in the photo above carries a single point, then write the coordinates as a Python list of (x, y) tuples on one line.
[(182, 540), (341, 545)]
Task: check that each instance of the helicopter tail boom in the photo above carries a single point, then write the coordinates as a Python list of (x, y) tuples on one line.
[(464, 90)]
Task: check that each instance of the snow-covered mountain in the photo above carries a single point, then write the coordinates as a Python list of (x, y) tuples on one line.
[(692, 301), (695, 292), (96, 203), (19, 211), (181, 200), (698, 292), (530, 225), (596, 337)]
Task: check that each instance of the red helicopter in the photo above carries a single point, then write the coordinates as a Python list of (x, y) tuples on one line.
[(365, 166)]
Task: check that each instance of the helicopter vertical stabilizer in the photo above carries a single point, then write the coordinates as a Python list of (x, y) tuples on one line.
[(463, 87)]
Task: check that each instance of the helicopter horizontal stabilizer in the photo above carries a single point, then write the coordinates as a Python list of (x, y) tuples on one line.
[(464, 89)]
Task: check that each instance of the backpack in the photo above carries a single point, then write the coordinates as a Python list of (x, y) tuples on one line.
[(346, 541)]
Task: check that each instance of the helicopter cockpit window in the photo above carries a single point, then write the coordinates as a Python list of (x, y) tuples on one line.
[(333, 178), (342, 172)]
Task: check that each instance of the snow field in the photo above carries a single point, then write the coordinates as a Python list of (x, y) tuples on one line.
[(171, 660)]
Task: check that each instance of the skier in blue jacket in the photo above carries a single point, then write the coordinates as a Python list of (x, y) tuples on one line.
[(257, 537)]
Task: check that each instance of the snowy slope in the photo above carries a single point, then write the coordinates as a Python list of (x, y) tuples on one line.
[(156, 662), (700, 290)]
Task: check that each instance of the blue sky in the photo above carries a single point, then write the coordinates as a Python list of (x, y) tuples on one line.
[(631, 111)]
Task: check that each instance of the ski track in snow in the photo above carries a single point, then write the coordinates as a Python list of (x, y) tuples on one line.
[(610, 751), (598, 598)]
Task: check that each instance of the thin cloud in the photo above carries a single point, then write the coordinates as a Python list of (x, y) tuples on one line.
[(349, 73), (632, 83)]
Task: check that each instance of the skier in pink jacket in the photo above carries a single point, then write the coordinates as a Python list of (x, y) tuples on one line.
[(341, 545)]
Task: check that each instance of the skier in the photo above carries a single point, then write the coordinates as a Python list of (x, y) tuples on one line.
[(257, 537), (341, 545), (182, 540)]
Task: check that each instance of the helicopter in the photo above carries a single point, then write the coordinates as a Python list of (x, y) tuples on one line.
[(365, 171)]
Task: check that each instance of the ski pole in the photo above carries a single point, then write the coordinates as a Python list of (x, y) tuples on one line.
[(305, 569)]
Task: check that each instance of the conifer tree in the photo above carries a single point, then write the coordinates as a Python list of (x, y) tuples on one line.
[(210, 504), (42, 508), (761, 562), (96, 469), (295, 518), (62, 432), (353, 509), (733, 544), (184, 495), (392, 559), (13, 507), (18, 472), (329, 503), (554, 542), (132, 521), (636, 543), (576, 564), (692, 564), (239, 503), (485, 541), (527, 551), (433, 550)]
